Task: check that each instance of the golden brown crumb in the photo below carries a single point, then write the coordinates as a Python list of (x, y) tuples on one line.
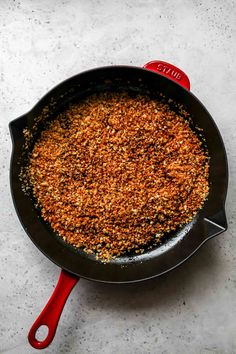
[(114, 173)]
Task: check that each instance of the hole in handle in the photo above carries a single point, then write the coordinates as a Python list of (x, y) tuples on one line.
[(51, 313), (42, 333)]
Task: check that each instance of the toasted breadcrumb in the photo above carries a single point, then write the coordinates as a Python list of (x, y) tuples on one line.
[(115, 173)]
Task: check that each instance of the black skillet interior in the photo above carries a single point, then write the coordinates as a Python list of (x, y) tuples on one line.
[(175, 249)]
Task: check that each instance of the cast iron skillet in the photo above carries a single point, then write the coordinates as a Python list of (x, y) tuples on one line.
[(209, 222)]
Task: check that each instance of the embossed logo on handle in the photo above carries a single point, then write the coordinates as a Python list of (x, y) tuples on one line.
[(170, 71)]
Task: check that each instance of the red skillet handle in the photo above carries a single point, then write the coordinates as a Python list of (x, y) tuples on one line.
[(170, 71), (52, 311)]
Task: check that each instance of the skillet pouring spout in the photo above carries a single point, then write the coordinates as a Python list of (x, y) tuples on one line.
[(16, 128), (216, 224)]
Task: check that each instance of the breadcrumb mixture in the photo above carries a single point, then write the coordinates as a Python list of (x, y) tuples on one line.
[(115, 173)]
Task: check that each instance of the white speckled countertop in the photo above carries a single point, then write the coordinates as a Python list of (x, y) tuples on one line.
[(191, 310)]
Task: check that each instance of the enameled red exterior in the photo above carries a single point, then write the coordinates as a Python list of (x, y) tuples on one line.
[(170, 71)]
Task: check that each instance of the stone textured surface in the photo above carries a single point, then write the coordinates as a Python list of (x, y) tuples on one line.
[(191, 310)]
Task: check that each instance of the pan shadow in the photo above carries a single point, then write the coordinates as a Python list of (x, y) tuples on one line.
[(170, 290), (160, 291)]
